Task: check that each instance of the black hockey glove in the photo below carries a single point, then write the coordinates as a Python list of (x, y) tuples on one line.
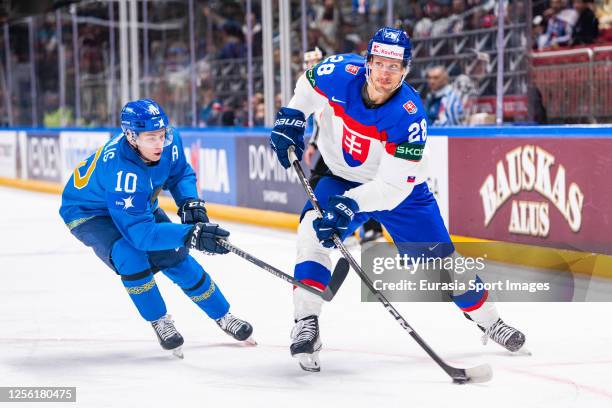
[(203, 237), (193, 211)]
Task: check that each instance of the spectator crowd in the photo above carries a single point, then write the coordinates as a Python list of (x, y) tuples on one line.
[(334, 26)]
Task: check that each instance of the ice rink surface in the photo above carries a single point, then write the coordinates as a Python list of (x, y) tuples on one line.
[(67, 321)]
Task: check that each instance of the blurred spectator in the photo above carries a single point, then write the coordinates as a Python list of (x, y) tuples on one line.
[(176, 77), (442, 104), (360, 10), (54, 116), (471, 85), (442, 23), (466, 85), (422, 28), (92, 59), (378, 10), (516, 12), (177, 57), (586, 29), (538, 33), (604, 14), (326, 25), (312, 57), (457, 19), (259, 118), (559, 25), (257, 40), (233, 41), (353, 43), (211, 109), (228, 116), (278, 102)]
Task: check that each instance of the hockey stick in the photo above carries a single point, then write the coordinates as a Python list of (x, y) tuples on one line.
[(340, 272), (481, 373)]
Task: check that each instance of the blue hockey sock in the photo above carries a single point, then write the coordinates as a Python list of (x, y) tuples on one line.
[(209, 298), (146, 297), (472, 299)]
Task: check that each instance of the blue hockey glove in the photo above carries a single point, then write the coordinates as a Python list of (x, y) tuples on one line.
[(203, 237), (193, 211), (288, 131), (336, 219)]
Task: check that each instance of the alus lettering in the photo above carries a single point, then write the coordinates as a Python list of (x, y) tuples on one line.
[(530, 168)]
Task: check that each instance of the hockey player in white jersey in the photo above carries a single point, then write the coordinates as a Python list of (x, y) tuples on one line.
[(373, 139)]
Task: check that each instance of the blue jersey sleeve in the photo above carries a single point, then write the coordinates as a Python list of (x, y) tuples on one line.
[(128, 197), (182, 180), (408, 134)]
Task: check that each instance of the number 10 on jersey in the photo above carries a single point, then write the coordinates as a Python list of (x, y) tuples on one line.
[(129, 182)]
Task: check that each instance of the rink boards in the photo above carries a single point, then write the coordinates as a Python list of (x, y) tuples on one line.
[(534, 187)]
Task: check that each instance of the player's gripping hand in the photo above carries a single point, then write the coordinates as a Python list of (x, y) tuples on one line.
[(288, 131), (193, 211), (337, 216), (203, 237)]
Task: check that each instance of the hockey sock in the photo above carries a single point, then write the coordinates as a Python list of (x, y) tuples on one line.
[(207, 295), (198, 285), (313, 274), (146, 297), (475, 302), (306, 304)]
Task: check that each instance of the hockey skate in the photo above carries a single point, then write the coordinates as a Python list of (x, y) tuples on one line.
[(307, 343), (506, 336), (169, 338), (238, 329)]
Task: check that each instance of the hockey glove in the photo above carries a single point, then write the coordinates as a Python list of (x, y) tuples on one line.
[(288, 131), (203, 237), (336, 219), (193, 211)]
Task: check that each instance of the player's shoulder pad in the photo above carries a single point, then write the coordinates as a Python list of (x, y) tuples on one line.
[(406, 125), (334, 72)]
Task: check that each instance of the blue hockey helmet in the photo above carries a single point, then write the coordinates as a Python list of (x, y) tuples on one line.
[(391, 43), (144, 115)]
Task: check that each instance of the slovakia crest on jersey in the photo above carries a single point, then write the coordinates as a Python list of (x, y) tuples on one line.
[(352, 69), (355, 148), (410, 107)]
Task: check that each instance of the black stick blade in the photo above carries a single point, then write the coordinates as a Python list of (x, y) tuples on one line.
[(337, 278)]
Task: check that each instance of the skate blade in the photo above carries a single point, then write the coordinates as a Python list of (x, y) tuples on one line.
[(178, 353), (523, 351), (250, 341), (309, 362)]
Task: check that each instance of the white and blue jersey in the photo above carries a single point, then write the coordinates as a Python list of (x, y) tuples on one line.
[(115, 182), (376, 156), (383, 149)]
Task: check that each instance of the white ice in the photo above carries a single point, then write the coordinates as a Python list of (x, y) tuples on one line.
[(67, 321)]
